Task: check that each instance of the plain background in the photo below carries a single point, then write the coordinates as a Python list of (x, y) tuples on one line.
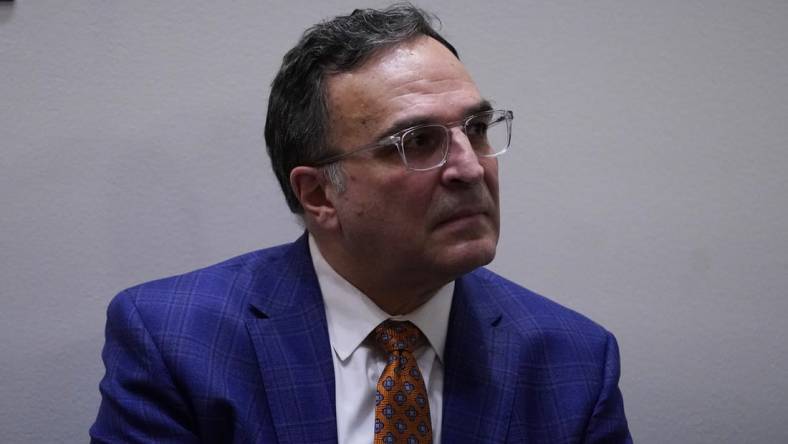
[(646, 186)]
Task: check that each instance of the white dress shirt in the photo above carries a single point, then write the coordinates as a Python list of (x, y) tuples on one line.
[(358, 364)]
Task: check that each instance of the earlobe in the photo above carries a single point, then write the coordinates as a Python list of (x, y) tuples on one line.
[(310, 187)]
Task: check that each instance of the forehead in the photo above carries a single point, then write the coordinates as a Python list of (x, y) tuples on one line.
[(419, 79)]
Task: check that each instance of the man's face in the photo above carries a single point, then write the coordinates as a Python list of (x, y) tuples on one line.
[(421, 227)]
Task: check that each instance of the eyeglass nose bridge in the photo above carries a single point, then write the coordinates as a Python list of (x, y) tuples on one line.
[(464, 140)]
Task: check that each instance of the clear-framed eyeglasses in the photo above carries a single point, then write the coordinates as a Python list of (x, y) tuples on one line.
[(426, 147)]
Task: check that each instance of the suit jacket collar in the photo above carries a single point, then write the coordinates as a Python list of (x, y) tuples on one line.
[(289, 332), (480, 370), (287, 326)]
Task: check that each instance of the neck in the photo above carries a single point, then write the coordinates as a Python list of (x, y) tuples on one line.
[(394, 291), (395, 304)]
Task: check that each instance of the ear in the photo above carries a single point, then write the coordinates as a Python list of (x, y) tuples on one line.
[(310, 187)]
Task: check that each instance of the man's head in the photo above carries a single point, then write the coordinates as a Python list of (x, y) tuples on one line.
[(379, 223), (297, 123)]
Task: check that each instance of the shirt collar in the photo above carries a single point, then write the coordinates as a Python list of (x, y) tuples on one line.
[(351, 315)]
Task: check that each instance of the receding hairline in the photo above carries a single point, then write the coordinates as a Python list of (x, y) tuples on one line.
[(376, 58)]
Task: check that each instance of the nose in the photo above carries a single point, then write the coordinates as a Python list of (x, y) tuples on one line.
[(462, 164)]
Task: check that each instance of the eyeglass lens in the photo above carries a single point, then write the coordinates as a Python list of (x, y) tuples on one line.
[(426, 146)]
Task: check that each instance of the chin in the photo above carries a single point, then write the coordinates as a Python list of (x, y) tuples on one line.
[(469, 255)]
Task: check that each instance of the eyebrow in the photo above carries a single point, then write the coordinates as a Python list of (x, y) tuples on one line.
[(409, 122)]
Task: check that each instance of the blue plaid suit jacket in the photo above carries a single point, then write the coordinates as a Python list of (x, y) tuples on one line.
[(239, 352)]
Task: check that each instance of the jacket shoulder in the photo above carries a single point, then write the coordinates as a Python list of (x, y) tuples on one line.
[(526, 310), (217, 291), (177, 347), (565, 359)]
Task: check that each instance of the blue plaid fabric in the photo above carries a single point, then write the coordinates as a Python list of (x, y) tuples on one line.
[(239, 353)]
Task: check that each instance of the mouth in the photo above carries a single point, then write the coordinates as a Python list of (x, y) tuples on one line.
[(462, 217)]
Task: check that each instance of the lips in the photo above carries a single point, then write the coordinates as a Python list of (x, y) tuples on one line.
[(459, 215)]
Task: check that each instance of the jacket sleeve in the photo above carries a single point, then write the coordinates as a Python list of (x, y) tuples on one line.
[(140, 401), (608, 423)]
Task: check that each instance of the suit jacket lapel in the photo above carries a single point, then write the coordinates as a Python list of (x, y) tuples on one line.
[(480, 367), (288, 329)]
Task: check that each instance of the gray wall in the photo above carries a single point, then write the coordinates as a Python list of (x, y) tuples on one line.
[(646, 187)]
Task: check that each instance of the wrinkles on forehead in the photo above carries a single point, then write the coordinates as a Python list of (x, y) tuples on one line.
[(414, 118), (419, 79)]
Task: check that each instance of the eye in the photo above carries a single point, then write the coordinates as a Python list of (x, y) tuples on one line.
[(486, 133), (477, 126), (424, 146), (424, 139)]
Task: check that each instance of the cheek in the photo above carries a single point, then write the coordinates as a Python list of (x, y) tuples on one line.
[(391, 196), (403, 211), (491, 177), (373, 205)]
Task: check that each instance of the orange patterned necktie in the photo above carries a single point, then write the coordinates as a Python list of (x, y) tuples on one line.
[(402, 409)]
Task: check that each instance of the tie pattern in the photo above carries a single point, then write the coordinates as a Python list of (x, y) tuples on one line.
[(402, 410)]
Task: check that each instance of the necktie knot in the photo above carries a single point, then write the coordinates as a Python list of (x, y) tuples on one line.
[(392, 336)]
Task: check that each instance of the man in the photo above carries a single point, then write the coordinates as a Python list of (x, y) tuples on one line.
[(378, 324)]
